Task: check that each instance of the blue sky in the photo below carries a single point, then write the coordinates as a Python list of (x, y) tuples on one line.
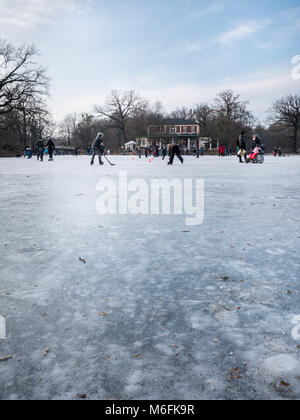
[(173, 51)]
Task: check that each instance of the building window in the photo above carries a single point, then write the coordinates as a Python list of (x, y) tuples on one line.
[(171, 129)]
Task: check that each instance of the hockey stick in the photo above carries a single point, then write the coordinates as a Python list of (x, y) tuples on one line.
[(111, 164)]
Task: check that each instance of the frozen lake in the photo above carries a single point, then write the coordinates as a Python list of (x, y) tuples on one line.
[(142, 307)]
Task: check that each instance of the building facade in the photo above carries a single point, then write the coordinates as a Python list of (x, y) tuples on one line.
[(186, 133)]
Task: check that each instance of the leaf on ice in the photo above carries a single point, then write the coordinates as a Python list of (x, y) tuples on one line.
[(285, 384), (235, 373), (137, 356), (82, 396), (103, 313), (5, 358), (47, 351)]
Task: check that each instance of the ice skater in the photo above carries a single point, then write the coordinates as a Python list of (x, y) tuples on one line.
[(40, 149), (164, 152), (28, 152), (51, 147), (98, 148), (174, 150), (241, 144)]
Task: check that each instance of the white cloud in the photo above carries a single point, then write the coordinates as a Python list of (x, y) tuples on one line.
[(240, 32), (17, 15), (226, 39)]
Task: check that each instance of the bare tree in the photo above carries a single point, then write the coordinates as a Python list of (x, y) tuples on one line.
[(120, 107), (230, 107), (182, 113), (67, 128), (20, 76), (202, 114), (85, 130), (285, 113), (231, 115)]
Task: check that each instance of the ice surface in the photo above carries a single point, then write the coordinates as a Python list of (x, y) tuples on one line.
[(205, 314)]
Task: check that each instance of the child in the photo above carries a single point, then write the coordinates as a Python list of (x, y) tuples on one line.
[(254, 153)]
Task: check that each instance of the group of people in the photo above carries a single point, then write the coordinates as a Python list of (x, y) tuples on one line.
[(277, 152), (39, 149), (224, 151), (256, 146), (171, 150), (98, 150)]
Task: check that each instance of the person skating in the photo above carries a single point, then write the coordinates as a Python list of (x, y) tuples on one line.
[(51, 147), (241, 144), (164, 152), (98, 148), (40, 148), (174, 150), (28, 152), (157, 151), (221, 151)]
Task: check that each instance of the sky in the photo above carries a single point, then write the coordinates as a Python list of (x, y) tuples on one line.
[(177, 52)]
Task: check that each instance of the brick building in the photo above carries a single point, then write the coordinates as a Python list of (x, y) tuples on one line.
[(186, 133)]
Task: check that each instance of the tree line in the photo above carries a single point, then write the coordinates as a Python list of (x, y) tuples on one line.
[(24, 118)]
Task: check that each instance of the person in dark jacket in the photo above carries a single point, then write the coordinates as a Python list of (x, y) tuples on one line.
[(241, 144), (98, 148), (174, 150), (256, 142), (40, 148), (164, 152), (51, 147)]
